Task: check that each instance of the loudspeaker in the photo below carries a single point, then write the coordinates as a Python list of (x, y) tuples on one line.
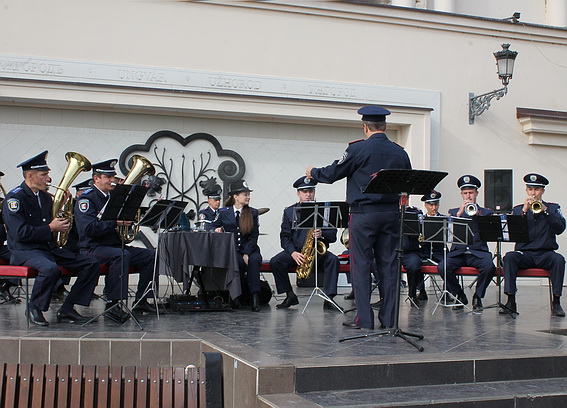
[(498, 190)]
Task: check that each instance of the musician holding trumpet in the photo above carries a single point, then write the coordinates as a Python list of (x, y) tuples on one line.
[(295, 253), (31, 226), (474, 254), (545, 222)]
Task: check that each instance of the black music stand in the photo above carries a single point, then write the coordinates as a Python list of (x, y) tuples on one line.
[(448, 230), (320, 215), (402, 183), (502, 228), (163, 215), (122, 205)]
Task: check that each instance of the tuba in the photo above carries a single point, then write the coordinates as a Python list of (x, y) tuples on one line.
[(62, 200), (308, 251), (140, 168)]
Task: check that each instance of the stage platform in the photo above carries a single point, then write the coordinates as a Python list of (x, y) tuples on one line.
[(283, 358)]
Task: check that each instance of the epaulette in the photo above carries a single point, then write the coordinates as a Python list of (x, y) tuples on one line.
[(87, 191), (398, 145), (223, 209), (356, 141), (16, 189)]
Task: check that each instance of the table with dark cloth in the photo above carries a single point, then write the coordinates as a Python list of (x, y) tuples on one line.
[(216, 252)]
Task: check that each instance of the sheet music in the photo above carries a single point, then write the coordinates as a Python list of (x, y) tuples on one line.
[(505, 231)]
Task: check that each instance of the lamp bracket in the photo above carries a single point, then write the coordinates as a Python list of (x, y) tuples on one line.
[(479, 104)]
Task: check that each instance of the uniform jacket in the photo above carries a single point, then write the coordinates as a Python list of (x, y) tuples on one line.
[(477, 245), (543, 228), (359, 162), (293, 239), (26, 222), (209, 214), (92, 231), (227, 220)]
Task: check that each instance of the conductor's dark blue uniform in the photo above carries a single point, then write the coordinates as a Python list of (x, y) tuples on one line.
[(374, 226)]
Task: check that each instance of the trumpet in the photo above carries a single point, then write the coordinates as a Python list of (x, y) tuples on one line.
[(536, 206), (471, 209)]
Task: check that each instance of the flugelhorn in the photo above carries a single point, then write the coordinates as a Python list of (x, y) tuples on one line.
[(62, 200), (140, 168), (471, 209), (536, 206)]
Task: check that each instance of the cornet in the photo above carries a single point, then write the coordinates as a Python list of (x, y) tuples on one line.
[(536, 206)]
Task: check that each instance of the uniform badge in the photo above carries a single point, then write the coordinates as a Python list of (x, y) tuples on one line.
[(466, 179), (343, 157), (432, 195), (201, 216), (245, 184), (13, 204), (84, 205), (533, 177)]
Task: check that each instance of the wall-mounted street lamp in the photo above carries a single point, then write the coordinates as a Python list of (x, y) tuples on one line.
[(505, 64)]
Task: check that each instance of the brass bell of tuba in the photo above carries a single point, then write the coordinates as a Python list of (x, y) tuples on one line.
[(62, 200), (308, 251), (140, 168)]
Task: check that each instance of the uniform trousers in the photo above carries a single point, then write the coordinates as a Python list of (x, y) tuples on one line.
[(251, 271), (374, 236), (412, 264), (479, 260), (550, 260), (328, 263), (139, 258), (47, 265)]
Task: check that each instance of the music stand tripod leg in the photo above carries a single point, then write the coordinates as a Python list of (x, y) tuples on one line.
[(152, 285)]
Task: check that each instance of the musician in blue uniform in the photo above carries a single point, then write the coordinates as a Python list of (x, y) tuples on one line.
[(242, 221), (98, 238), (374, 221), (539, 252), (475, 254), (411, 259), (209, 213), (5, 284), (292, 242), (27, 215)]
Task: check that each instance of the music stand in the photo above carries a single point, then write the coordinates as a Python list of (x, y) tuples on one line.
[(320, 215), (502, 228), (401, 182), (122, 205), (161, 216), (447, 230)]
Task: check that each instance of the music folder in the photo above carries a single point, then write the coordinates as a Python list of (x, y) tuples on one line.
[(163, 214)]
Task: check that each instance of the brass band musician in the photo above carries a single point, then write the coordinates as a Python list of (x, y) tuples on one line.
[(545, 222), (293, 240)]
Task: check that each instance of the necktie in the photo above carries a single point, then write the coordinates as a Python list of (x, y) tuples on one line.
[(38, 200), (238, 218)]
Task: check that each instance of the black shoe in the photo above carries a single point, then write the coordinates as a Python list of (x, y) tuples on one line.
[(509, 307), (115, 313), (331, 306), (476, 304), (290, 300), (422, 295), (351, 325), (255, 302), (376, 305), (461, 297), (556, 309), (144, 307), (7, 296), (60, 294), (71, 316), (36, 316), (414, 301), (350, 296), (235, 303)]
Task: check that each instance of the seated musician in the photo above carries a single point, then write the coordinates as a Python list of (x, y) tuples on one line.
[(30, 226), (99, 238), (242, 221), (209, 213), (545, 222), (431, 252), (292, 242), (475, 254)]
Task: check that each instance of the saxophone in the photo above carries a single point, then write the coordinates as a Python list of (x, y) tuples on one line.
[(62, 201), (308, 251)]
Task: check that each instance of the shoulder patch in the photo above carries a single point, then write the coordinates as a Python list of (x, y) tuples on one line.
[(84, 205), (13, 204), (343, 157)]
